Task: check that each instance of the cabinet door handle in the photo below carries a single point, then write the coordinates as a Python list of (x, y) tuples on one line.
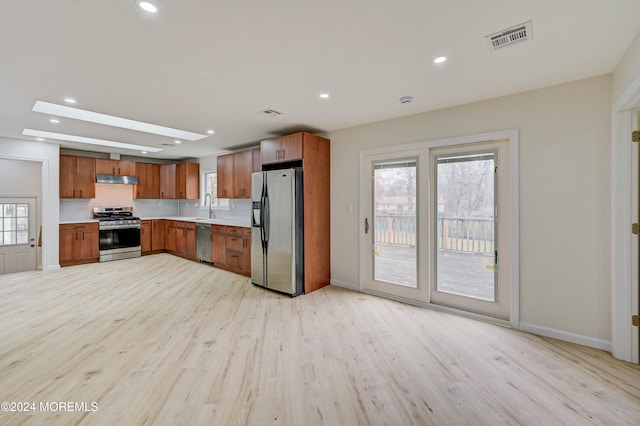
[(118, 170), (282, 158), (83, 236), (81, 193), (113, 170)]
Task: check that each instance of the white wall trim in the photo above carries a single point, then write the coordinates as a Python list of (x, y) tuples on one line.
[(624, 337), (566, 336), (512, 135), (343, 284)]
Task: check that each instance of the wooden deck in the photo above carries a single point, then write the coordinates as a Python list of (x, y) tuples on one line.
[(460, 273)]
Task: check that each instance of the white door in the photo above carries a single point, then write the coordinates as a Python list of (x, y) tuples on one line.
[(18, 234), (393, 259), (471, 232)]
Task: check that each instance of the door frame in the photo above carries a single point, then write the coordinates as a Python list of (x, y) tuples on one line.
[(624, 281), (512, 136)]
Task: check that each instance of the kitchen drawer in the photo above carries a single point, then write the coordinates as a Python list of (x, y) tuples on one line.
[(235, 243), (235, 260), (220, 229), (233, 230)]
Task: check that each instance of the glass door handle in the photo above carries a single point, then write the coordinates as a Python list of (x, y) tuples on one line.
[(366, 225)]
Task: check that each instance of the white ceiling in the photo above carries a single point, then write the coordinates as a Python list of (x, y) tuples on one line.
[(200, 64)]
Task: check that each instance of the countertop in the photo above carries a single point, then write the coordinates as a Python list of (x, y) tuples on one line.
[(243, 222), (71, 222)]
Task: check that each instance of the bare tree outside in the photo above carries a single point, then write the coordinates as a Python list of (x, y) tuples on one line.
[(466, 225)]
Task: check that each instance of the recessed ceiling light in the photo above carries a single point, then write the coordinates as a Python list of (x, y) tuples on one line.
[(147, 6), (143, 152), (70, 100), (90, 141), (110, 120), (177, 142), (40, 139), (54, 120), (210, 131), (324, 95), (440, 59)]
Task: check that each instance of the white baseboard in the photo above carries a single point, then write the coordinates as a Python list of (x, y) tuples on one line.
[(567, 337), (343, 284)]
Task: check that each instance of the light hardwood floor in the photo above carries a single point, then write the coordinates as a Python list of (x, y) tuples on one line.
[(162, 340)]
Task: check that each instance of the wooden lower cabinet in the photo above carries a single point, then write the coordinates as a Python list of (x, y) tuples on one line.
[(231, 248), (146, 236), (218, 245), (180, 238), (152, 236), (157, 234), (186, 239), (170, 236), (79, 243)]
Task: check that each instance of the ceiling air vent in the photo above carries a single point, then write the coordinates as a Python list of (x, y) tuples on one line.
[(271, 112), (510, 36)]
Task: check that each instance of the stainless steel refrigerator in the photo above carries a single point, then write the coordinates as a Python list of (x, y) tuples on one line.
[(277, 261)]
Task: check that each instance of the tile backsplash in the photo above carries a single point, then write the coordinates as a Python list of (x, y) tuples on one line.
[(122, 196)]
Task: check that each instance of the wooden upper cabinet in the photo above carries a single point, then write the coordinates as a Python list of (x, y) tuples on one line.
[(188, 181), (115, 167), (148, 186), (234, 174), (168, 181), (77, 177), (284, 148), (225, 176), (242, 168), (257, 160)]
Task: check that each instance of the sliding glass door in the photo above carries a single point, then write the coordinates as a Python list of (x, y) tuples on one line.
[(436, 227), (466, 244), (391, 226)]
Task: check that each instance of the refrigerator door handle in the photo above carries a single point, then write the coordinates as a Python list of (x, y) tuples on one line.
[(267, 219)]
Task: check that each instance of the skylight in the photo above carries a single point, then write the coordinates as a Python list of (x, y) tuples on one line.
[(90, 141), (110, 120)]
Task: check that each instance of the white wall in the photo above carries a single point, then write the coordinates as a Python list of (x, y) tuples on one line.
[(48, 156), (564, 195), (627, 69), (19, 177)]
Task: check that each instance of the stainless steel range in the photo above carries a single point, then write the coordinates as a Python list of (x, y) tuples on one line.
[(119, 233)]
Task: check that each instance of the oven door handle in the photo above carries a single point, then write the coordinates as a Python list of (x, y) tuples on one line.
[(111, 228)]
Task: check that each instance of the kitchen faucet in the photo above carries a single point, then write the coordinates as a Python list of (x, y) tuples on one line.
[(211, 215)]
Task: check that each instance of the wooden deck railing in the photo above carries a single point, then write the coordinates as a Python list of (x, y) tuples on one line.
[(461, 234)]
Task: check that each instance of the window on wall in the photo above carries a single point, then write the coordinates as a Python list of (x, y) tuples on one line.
[(210, 186), (14, 224)]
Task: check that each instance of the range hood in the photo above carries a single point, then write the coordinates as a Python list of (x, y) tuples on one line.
[(114, 179)]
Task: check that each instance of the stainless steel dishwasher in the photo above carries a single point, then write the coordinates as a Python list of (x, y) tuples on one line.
[(203, 242)]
